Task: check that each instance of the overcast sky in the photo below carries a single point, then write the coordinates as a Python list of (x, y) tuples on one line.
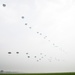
[(42, 31)]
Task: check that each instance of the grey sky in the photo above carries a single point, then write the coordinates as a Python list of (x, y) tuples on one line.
[(49, 35)]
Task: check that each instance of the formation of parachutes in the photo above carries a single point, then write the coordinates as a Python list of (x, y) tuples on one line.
[(41, 54)]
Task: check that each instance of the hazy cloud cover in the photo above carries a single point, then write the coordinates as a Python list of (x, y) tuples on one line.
[(37, 35)]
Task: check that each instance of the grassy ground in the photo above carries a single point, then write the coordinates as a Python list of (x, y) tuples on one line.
[(43, 74)]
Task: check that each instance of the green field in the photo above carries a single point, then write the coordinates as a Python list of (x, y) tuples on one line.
[(72, 73)]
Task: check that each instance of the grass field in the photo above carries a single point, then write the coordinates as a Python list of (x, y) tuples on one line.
[(72, 73)]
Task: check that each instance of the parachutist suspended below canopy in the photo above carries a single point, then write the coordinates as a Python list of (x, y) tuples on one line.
[(40, 33), (9, 52), (45, 37), (4, 5), (26, 53), (29, 27), (17, 52), (28, 56), (40, 53), (34, 56), (22, 17), (37, 32), (25, 23)]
